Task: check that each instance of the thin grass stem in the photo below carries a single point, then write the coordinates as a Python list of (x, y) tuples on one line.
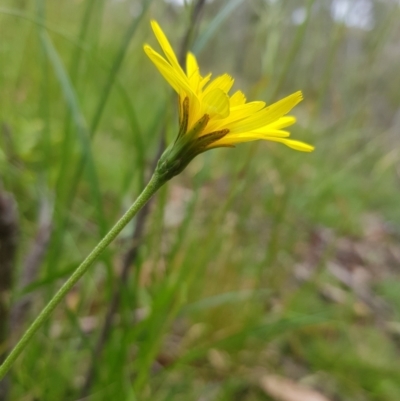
[(154, 184)]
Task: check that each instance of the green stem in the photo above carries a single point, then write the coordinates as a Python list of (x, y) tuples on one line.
[(154, 184)]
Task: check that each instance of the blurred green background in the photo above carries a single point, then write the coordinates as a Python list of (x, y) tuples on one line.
[(259, 271)]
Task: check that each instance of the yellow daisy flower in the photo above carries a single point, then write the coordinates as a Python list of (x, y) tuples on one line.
[(209, 117)]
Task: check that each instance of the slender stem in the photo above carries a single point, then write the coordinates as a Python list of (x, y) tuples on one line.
[(132, 253), (154, 184)]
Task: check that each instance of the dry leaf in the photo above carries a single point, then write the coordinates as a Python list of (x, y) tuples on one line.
[(283, 389)]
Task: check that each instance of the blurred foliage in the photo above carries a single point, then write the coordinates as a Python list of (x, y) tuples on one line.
[(257, 260)]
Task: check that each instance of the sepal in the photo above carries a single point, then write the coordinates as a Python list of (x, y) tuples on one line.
[(187, 146)]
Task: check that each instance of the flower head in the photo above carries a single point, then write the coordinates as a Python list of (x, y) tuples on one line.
[(209, 117)]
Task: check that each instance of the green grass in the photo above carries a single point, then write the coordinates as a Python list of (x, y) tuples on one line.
[(214, 298)]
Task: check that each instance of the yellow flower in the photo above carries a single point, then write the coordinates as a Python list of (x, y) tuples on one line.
[(209, 117)]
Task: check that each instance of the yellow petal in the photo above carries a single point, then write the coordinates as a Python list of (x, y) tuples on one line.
[(191, 64), (236, 113), (282, 107), (268, 115), (195, 110), (237, 99), (232, 139), (245, 110), (193, 74), (283, 122), (165, 45), (204, 81), (216, 103), (223, 82), (168, 72), (296, 145), (250, 123), (277, 133)]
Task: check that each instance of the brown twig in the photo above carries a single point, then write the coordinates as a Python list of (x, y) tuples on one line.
[(8, 246), (12, 316), (32, 264), (193, 23), (137, 235)]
